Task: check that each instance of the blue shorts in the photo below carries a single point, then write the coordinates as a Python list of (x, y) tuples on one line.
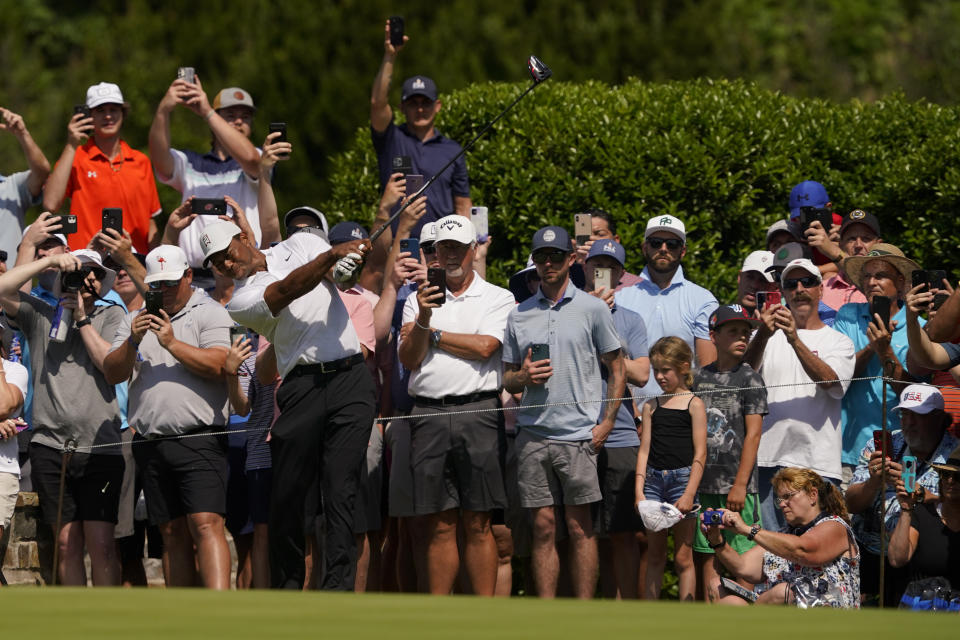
[(666, 486)]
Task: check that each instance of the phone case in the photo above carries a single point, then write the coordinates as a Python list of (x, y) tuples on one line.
[(582, 227), (414, 183)]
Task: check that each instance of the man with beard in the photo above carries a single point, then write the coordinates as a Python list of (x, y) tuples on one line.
[(806, 366), (669, 304)]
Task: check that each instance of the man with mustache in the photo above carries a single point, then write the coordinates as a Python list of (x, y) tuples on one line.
[(806, 366)]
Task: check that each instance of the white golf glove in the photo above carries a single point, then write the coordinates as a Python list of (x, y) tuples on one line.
[(346, 267)]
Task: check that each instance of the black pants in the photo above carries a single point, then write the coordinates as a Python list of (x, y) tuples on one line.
[(323, 428)]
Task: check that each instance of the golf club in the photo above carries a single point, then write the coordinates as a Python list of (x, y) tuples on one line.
[(539, 72)]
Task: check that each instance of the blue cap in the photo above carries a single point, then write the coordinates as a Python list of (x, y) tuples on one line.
[(610, 248), (808, 193), (347, 231), (419, 86), (551, 238)]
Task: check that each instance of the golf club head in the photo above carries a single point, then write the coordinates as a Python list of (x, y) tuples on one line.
[(538, 70)]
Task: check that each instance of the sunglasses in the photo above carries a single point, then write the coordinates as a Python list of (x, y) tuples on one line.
[(952, 476), (428, 249), (808, 282), (554, 257), (164, 284), (672, 243), (3, 256)]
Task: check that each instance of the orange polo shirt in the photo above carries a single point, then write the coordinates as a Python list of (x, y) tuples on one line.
[(94, 184)]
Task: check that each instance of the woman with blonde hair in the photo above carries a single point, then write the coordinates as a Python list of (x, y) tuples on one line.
[(813, 562)]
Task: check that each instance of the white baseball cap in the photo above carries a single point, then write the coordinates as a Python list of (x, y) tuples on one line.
[(658, 516), (103, 93), (920, 398), (666, 223), (759, 261), (428, 232), (457, 228), (166, 262), (801, 263), (59, 236), (216, 237)]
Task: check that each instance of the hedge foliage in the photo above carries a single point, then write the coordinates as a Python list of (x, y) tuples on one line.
[(721, 155)]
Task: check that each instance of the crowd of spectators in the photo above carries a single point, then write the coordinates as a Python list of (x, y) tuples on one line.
[(372, 414)]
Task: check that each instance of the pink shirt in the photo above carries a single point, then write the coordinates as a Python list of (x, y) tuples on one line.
[(361, 315), (838, 292)]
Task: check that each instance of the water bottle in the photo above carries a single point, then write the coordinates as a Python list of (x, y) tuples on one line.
[(61, 324), (14, 344)]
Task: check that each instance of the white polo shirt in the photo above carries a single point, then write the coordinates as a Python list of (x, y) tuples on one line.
[(481, 310), (312, 329), (16, 375)]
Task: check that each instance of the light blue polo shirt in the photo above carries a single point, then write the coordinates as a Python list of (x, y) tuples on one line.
[(863, 402), (577, 328), (681, 309)]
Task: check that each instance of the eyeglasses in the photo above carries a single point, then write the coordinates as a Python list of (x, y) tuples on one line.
[(164, 284), (808, 282), (672, 243), (428, 248), (554, 257), (780, 500), (3, 256)]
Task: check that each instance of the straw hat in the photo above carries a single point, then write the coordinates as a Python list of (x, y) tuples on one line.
[(880, 251)]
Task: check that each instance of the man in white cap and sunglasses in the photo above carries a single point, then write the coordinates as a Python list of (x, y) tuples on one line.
[(173, 352), (327, 400), (807, 367), (69, 341)]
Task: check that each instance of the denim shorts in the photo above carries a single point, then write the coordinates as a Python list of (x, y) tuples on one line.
[(666, 486)]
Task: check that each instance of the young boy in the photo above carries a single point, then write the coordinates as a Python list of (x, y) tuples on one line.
[(734, 425)]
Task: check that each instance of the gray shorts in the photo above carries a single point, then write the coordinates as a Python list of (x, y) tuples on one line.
[(128, 500), (456, 458), (367, 516), (396, 436), (552, 472)]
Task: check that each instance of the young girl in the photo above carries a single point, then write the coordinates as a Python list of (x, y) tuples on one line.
[(673, 450)]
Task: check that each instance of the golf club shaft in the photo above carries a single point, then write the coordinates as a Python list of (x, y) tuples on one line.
[(376, 234)]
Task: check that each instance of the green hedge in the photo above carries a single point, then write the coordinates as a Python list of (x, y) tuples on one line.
[(721, 155)]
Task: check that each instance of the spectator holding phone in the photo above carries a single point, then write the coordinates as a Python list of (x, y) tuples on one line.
[(557, 444), (755, 277), (859, 232), (804, 363), (604, 227), (417, 138), (69, 371), (98, 169), (872, 492), (812, 561), (230, 168), (19, 191), (878, 330), (812, 215)]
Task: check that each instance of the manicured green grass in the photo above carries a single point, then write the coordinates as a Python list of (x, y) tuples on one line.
[(177, 614)]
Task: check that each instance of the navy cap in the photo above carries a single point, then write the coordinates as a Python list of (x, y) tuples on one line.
[(347, 231), (419, 86), (859, 216), (610, 248), (808, 193), (551, 238), (731, 313)]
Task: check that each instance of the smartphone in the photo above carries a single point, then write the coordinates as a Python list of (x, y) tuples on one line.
[(68, 224), (602, 277), (880, 305), (22, 427), (582, 227), (478, 215), (767, 299), (188, 74), (412, 245), (437, 277), (809, 215), (154, 302), (909, 473), (935, 279), (918, 277), (878, 437), (539, 351), (396, 30), (738, 589), (209, 206), (402, 164), (237, 330), (82, 109), (282, 128), (414, 183), (112, 219)]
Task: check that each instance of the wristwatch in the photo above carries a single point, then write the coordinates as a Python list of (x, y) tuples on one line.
[(719, 545), (435, 337), (84, 322), (754, 530)]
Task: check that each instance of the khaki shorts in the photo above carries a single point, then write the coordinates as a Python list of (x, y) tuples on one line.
[(9, 488), (552, 472)]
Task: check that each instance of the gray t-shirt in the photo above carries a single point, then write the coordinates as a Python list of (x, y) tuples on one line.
[(15, 199), (725, 422), (166, 398), (71, 398)]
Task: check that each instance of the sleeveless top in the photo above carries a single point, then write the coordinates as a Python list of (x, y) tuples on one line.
[(833, 584), (671, 438)]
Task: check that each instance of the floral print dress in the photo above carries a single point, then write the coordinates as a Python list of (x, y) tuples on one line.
[(833, 584)]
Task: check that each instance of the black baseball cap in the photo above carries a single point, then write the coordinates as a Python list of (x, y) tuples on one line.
[(551, 238), (731, 313), (859, 216)]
